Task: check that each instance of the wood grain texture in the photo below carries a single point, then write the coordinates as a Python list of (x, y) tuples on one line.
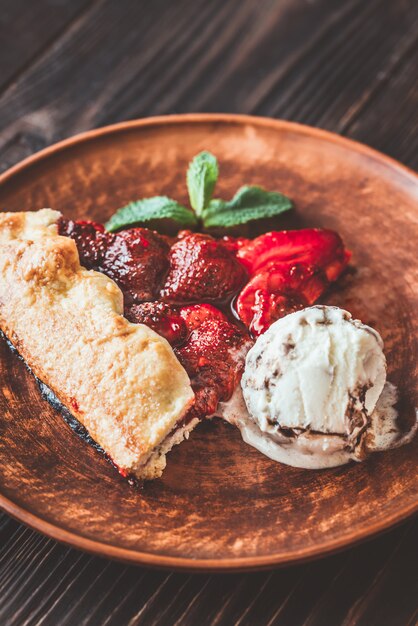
[(29, 29), (47, 583), (346, 66)]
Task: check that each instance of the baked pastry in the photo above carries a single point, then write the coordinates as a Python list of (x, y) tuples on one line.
[(121, 380)]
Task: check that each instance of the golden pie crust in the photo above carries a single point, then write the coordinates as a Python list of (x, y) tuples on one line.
[(122, 381)]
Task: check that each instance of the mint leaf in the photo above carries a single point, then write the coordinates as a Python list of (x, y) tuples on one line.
[(151, 209), (201, 180), (249, 203)]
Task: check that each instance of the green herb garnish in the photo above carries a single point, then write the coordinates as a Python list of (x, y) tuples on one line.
[(248, 204), (202, 175), (151, 210)]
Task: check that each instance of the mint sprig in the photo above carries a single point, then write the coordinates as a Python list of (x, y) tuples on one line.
[(152, 210), (248, 204), (201, 180)]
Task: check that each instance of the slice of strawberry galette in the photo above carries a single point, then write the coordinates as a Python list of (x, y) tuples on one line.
[(122, 381), (139, 335)]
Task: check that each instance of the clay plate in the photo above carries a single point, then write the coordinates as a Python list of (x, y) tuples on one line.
[(221, 505)]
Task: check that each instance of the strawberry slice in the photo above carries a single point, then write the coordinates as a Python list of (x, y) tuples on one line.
[(137, 260), (267, 307), (280, 290), (162, 318), (233, 244), (214, 357), (289, 270), (90, 237), (201, 269), (310, 246), (195, 314)]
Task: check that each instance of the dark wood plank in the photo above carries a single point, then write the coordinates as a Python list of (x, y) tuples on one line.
[(387, 599), (389, 113), (349, 66), (28, 29), (371, 584), (55, 98), (19, 146)]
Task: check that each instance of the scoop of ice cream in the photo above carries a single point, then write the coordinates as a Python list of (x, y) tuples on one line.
[(310, 384)]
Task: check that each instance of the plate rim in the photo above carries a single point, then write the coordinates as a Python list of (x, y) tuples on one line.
[(101, 548)]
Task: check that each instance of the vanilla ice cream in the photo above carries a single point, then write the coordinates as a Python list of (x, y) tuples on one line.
[(310, 388)]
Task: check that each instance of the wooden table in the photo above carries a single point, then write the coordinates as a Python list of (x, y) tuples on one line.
[(347, 66)]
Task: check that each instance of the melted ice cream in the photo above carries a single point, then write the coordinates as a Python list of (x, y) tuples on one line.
[(313, 392)]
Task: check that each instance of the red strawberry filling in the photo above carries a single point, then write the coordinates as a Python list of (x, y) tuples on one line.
[(136, 259), (289, 270), (309, 246), (201, 269), (195, 314), (90, 237), (162, 318), (277, 291), (168, 286), (214, 357)]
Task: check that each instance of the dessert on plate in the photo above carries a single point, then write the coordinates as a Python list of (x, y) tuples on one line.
[(141, 335)]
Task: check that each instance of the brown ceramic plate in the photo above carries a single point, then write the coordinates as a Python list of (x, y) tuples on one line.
[(220, 504)]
